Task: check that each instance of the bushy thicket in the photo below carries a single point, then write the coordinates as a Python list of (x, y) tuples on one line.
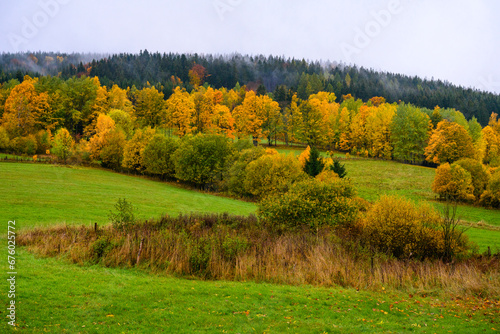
[(226, 247), (468, 180), (398, 227), (311, 204)]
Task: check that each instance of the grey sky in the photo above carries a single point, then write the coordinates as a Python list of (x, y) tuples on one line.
[(457, 41)]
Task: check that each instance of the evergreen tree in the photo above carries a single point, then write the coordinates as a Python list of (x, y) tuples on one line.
[(314, 165), (338, 168)]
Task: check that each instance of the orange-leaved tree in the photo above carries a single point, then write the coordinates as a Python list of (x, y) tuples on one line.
[(25, 109), (449, 142)]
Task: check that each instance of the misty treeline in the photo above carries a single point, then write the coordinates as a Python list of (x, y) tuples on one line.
[(278, 75)]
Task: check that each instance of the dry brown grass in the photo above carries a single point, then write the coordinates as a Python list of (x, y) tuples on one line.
[(226, 248)]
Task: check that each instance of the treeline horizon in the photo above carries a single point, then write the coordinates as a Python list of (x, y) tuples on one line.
[(283, 77)]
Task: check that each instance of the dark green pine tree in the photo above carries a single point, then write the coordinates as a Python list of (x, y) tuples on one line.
[(261, 90), (338, 168), (314, 165)]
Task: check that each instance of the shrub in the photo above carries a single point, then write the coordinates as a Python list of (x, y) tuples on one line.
[(24, 145), (157, 156), (398, 227), (327, 176), (4, 139), (479, 174), (453, 182), (43, 141), (312, 204), (236, 174), (202, 159), (124, 216), (491, 196), (100, 247), (272, 173)]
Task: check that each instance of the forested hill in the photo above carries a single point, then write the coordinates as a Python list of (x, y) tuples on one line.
[(279, 75)]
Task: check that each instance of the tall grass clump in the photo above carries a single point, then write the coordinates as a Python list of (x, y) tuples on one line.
[(226, 247)]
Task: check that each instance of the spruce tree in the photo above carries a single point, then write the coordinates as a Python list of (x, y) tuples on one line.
[(314, 165)]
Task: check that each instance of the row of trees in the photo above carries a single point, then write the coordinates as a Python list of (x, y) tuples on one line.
[(374, 128), (282, 76)]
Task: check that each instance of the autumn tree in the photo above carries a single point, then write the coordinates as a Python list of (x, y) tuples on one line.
[(378, 130), (111, 155), (4, 139), (210, 116), (479, 174), (271, 173), (149, 106), (78, 97), (123, 121), (492, 145), (452, 182), (197, 74), (63, 144), (358, 137), (24, 109), (449, 142), (409, 133), (100, 106), (118, 99), (133, 152), (203, 159), (157, 156), (292, 121), (108, 143), (491, 197), (344, 126), (180, 109)]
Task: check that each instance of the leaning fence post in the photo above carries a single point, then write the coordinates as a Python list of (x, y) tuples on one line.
[(139, 253)]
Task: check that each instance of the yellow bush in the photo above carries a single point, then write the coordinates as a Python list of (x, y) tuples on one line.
[(453, 182), (398, 227)]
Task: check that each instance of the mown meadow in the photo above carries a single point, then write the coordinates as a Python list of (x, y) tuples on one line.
[(146, 299), (58, 297)]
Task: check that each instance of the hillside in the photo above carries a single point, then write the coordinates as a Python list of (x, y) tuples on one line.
[(280, 75)]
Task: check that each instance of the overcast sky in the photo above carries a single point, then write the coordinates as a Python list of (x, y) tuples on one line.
[(457, 41)]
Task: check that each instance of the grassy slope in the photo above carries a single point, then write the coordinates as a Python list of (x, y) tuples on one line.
[(46, 194), (54, 296)]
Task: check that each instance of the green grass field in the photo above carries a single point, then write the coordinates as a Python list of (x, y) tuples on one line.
[(57, 297), (39, 194)]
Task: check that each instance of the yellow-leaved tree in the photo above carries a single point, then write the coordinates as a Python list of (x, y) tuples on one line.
[(449, 142), (108, 143), (133, 152), (180, 110), (293, 121), (26, 110), (378, 130), (149, 106), (492, 144), (452, 182), (63, 144)]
